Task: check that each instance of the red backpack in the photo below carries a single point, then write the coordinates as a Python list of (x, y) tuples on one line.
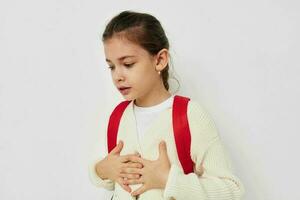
[(180, 126)]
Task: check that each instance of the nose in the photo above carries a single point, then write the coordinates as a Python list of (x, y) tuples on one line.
[(118, 75), (120, 79)]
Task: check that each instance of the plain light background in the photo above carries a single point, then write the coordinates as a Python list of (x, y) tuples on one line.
[(239, 59)]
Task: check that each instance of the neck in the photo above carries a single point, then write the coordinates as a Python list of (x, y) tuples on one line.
[(154, 97)]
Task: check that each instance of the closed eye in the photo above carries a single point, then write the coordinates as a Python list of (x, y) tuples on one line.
[(129, 65), (111, 67), (126, 65)]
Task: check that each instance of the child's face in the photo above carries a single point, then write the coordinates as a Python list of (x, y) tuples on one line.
[(141, 76)]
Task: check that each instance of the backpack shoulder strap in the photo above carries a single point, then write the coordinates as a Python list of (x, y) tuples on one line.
[(113, 124), (180, 127), (182, 132)]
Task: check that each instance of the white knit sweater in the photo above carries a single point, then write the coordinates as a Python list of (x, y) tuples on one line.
[(218, 181)]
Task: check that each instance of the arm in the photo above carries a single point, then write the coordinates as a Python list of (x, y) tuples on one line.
[(97, 155), (217, 181)]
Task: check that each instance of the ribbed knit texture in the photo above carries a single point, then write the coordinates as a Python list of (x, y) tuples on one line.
[(218, 181)]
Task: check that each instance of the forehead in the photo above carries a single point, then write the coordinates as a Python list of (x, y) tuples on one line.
[(116, 48)]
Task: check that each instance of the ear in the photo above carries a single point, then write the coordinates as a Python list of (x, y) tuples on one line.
[(162, 59)]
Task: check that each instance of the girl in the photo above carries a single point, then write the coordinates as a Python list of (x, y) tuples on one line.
[(144, 165)]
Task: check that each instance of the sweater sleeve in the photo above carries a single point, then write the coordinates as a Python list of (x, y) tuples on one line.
[(96, 180), (98, 153), (217, 180)]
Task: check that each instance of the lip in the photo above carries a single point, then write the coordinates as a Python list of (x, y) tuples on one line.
[(124, 90)]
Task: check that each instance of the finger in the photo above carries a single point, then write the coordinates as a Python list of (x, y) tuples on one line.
[(126, 158), (133, 181), (162, 149), (134, 154), (126, 187), (117, 148), (129, 176), (137, 153), (123, 185), (131, 170), (139, 191), (136, 159), (133, 165)]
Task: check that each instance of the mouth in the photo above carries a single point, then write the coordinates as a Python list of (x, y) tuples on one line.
[(124, 90)]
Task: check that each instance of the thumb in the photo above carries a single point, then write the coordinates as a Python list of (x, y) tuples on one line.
[(118, 148), (163, 149)]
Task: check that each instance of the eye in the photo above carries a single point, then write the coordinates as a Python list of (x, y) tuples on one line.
[(111, 67), (129, 65)]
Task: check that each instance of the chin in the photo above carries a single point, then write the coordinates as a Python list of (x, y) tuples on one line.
[(128, 97)]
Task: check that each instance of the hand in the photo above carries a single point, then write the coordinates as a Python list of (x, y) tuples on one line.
[(154, 174), (111, 166)]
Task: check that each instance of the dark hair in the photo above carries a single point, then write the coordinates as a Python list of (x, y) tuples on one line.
[(142, 29)]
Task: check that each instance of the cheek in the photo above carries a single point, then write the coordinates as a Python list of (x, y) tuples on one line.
[(145, 81), (143, 75)]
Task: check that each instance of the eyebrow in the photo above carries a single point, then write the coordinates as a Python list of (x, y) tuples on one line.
[(121, 58)]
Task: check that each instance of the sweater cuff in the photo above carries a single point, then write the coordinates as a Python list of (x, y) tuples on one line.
[(96, 180), (170, 188)]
